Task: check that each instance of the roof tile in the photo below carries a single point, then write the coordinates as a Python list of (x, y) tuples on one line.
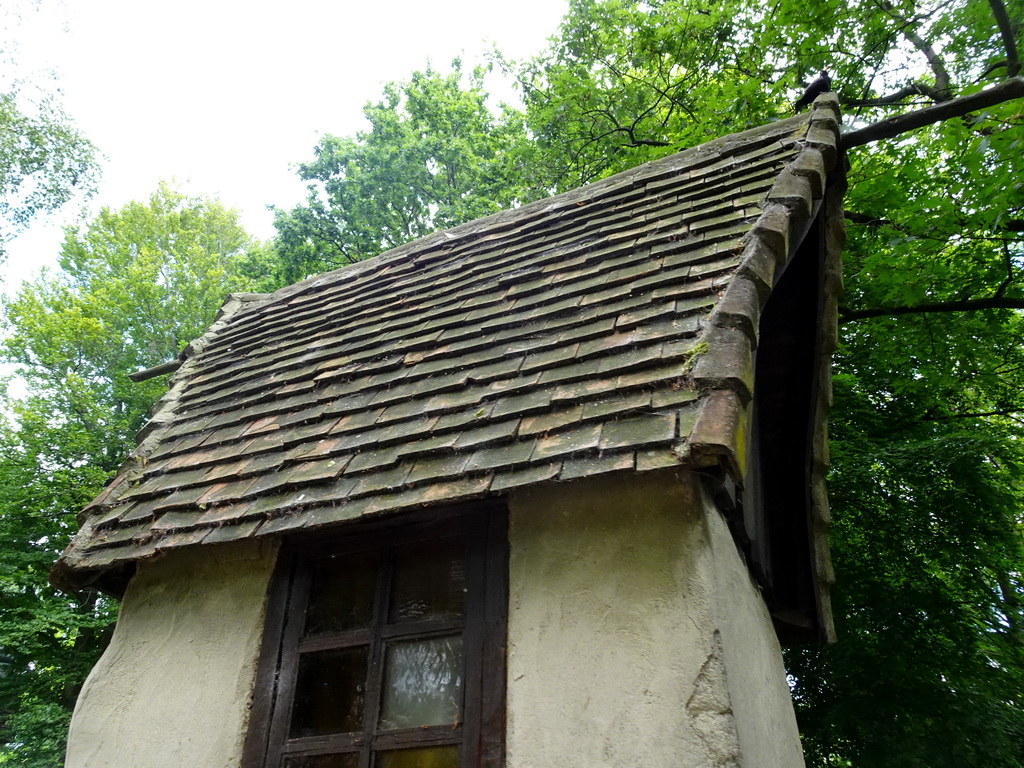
[(595, 465), (552, 420), (643, 430), (514, 478), (571, 441)]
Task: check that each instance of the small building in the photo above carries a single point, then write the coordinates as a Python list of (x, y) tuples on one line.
[(545, 489)]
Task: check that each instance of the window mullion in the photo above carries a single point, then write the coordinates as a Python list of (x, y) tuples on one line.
[(476, 572), (293, 628), (376, 668), (494, 595)]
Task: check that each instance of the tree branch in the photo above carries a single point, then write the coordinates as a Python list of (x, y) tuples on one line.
[(867, 219), (913, 89), (894, 126), (948, 416), (634, 142), (942, 91), (1008, 263), (856, 217), (965, 305), (990, 69), (1006, 31)]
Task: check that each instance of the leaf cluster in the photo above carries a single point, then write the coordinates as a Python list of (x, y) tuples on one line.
[(44, 162), (434, 155), (134, 285)]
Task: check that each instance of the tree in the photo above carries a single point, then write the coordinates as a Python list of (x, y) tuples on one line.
[(434, 156), (626, 82), (133, 287), (44, 160)]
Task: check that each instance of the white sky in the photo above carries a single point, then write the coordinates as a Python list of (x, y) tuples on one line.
[(225, 96)]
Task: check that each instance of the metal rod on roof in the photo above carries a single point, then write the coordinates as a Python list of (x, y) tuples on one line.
[(157, 370)]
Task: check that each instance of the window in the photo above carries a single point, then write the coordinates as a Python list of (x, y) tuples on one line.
[(386, 650)]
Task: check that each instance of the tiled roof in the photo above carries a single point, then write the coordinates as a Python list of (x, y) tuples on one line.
[(590, 332)]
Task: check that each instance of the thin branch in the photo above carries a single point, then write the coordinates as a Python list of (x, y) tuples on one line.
[(894, 126), (868, 220), (634, 142), (990, 69), (948, 416), (1006, 31), (629, 130), (965, 305), (942, 90), (1008, 263), (913, 89)]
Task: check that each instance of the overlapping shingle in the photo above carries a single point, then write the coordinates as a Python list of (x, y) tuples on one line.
[(578, 335)]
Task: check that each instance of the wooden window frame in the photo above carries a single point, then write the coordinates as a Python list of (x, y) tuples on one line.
[(480, 735)]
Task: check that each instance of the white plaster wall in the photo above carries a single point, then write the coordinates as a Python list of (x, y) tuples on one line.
[(625, 610), (173, 688), (753, 659), (758, 690)]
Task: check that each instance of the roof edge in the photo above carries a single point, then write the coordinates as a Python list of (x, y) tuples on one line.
[(726, 371), (731, 335), (163, 411), (665, 165)]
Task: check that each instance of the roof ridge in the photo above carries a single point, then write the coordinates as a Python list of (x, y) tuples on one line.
[(670, 163)]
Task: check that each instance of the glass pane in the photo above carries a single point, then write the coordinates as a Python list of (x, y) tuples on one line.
[(428, 757), (346, 760), (429, 581), (329, 692), (422, 683), (342, 593)]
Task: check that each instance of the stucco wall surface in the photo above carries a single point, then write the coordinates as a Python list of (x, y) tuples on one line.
[(173, 688), (623, 622), (751, 655)]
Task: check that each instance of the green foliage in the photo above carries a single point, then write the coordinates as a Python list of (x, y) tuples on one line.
[(626, 82), (926, 483), (48, 643), (44, 162), (434, 156), (133, 287), (929, 668)]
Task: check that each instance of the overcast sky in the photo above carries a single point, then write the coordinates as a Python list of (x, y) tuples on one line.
[(225, 96)]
